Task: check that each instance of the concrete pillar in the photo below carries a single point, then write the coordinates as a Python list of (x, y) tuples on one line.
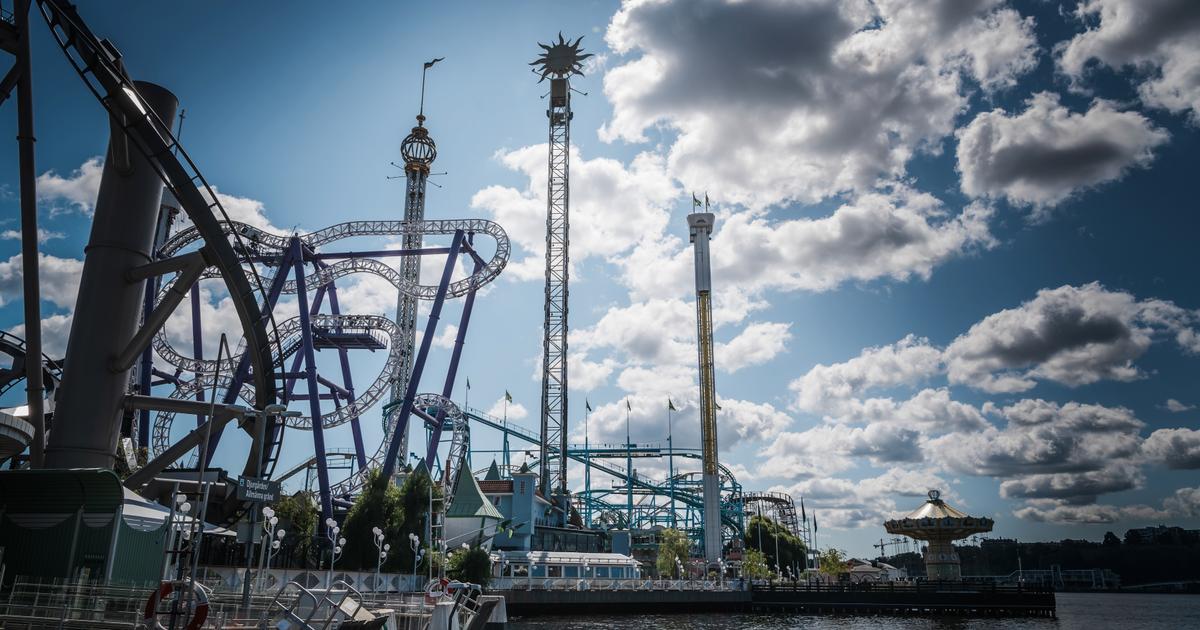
[(87, 418)]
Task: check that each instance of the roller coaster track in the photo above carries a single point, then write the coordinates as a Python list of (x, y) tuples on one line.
[(290, 330), (14, 347), (782, 504), (639, 481), (15, 432), (266, 244)]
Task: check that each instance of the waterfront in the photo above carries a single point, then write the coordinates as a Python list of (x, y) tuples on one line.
[(1075, 611)]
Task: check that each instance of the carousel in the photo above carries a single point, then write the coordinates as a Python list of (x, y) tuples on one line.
[(939, 525)]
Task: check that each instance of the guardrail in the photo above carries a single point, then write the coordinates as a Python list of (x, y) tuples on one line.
[(608, 584)]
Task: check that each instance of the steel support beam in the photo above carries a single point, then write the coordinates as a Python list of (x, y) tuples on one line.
[(310, 369), (452, 371), (398, 435), (31, 286)]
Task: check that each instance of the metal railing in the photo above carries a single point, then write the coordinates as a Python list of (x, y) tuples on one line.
[(611, 584)]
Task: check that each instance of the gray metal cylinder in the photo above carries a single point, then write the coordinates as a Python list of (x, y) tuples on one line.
[(87, 416)]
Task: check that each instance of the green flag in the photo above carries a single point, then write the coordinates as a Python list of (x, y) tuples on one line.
[(507, 396), (671, 405), (696, 202), (429, 64)]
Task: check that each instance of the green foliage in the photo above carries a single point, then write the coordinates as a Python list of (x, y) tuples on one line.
[(791, 548), (298, 516), (398, 512), (754, 565), (472, 565), (672, 544), (414, 500), (381, 505), (833, 562)]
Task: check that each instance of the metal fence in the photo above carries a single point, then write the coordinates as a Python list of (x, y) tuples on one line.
[(600, 584), (39, 604)]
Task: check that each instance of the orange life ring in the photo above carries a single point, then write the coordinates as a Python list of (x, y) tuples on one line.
[(150, 618)]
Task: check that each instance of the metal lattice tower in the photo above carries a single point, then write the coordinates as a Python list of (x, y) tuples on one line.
[(559, 62), (419, 152)]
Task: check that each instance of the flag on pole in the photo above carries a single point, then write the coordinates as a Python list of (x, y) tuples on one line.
[(717, 405), (468, 382), (814, 522), (429, 64), (671, 405), (696, 202), (587, 405), (507, 396), (706, 200), (627, 406), (802, 514)]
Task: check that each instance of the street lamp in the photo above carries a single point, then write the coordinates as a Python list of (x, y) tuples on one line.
[(414, 541), (276, 545), (270, 521), (383, 549), (332, 531)]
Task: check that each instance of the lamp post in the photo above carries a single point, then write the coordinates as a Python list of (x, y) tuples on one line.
[(414, 541), (331, 532), (276, 545), (270, 521), (383, 549)]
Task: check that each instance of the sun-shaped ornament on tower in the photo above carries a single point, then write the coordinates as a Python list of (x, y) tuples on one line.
[(560, 60)]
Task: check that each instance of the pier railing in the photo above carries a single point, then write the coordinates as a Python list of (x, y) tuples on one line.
[(921, 586), (603, 584)]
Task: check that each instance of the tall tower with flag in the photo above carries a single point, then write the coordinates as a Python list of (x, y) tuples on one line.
[(559, 62), (419, 152), (700, 225)]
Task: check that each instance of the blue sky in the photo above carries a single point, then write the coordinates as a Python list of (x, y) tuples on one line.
[(953, 239)]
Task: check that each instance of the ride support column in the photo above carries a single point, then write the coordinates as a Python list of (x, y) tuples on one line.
[(87, 417)]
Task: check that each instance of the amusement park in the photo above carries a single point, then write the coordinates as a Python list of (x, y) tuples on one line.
[(156, 474)]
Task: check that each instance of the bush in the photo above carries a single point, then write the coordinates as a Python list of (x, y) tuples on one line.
[(472, 565)]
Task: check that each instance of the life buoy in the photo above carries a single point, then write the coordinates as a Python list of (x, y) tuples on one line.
[(150, 618), (435, 590)]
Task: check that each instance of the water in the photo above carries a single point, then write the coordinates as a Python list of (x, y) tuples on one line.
[(1076, 611)]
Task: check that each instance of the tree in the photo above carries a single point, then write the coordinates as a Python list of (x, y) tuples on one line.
[(1111, 540), (472, 565), (754, 565), (415, 495), (833, 562), (672, 545), (791, 549), (298, 516), (379, 504)]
